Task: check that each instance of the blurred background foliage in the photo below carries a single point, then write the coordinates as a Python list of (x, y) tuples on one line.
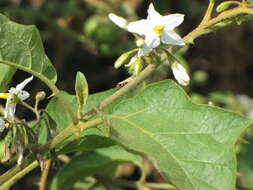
[(78, 36)]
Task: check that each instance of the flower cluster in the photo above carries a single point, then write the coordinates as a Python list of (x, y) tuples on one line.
[(156, 29)]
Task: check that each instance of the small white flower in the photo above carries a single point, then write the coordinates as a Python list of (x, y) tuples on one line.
[(14, 93), (119, 21), (156, 29), (2, 123), (180, 74)]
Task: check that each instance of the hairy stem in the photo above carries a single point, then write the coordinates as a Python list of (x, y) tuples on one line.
[(44, 175), (67, 132), (204, 28), (208, 13), (19, 175)]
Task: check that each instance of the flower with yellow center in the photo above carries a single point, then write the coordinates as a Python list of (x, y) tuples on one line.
[(156, 29)]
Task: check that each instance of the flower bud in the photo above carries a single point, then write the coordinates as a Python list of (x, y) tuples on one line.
[(124, 58), (40, 96), (225, 5), (119, 21), (180, 74)]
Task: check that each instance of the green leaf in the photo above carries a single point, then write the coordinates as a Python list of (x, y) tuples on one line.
[(192, 145), (21, 45), (81, 87), (47, 129), (102, 161)]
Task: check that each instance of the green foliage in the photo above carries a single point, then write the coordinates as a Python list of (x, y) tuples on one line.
[(81, 88), (22, 45), (102, 161), (192, 145)]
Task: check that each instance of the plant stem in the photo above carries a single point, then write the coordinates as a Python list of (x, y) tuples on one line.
[(67, 132), (19, 175), (208, 13), (44, 175), (31, 108), (204, 28)]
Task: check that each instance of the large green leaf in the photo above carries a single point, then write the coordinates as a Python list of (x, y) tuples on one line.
[(21, 45), (102, 161), (192, 145)]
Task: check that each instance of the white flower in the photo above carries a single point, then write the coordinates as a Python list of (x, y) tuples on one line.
[(2, 123), (156, 29), (180, 74), (119, 21), (13, 94)]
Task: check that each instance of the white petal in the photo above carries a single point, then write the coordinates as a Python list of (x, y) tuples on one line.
[(144, 50), (13, 90), (140, 27), (172, 38), (119, 21), (153, 15), (23, 95), (152, 41), (20, 86), (2, 122), (180, 74), (173, 20), (10, 108)]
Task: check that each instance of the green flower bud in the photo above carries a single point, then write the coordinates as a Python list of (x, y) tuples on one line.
[(124, 58), (226, 5), (40, 96)]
